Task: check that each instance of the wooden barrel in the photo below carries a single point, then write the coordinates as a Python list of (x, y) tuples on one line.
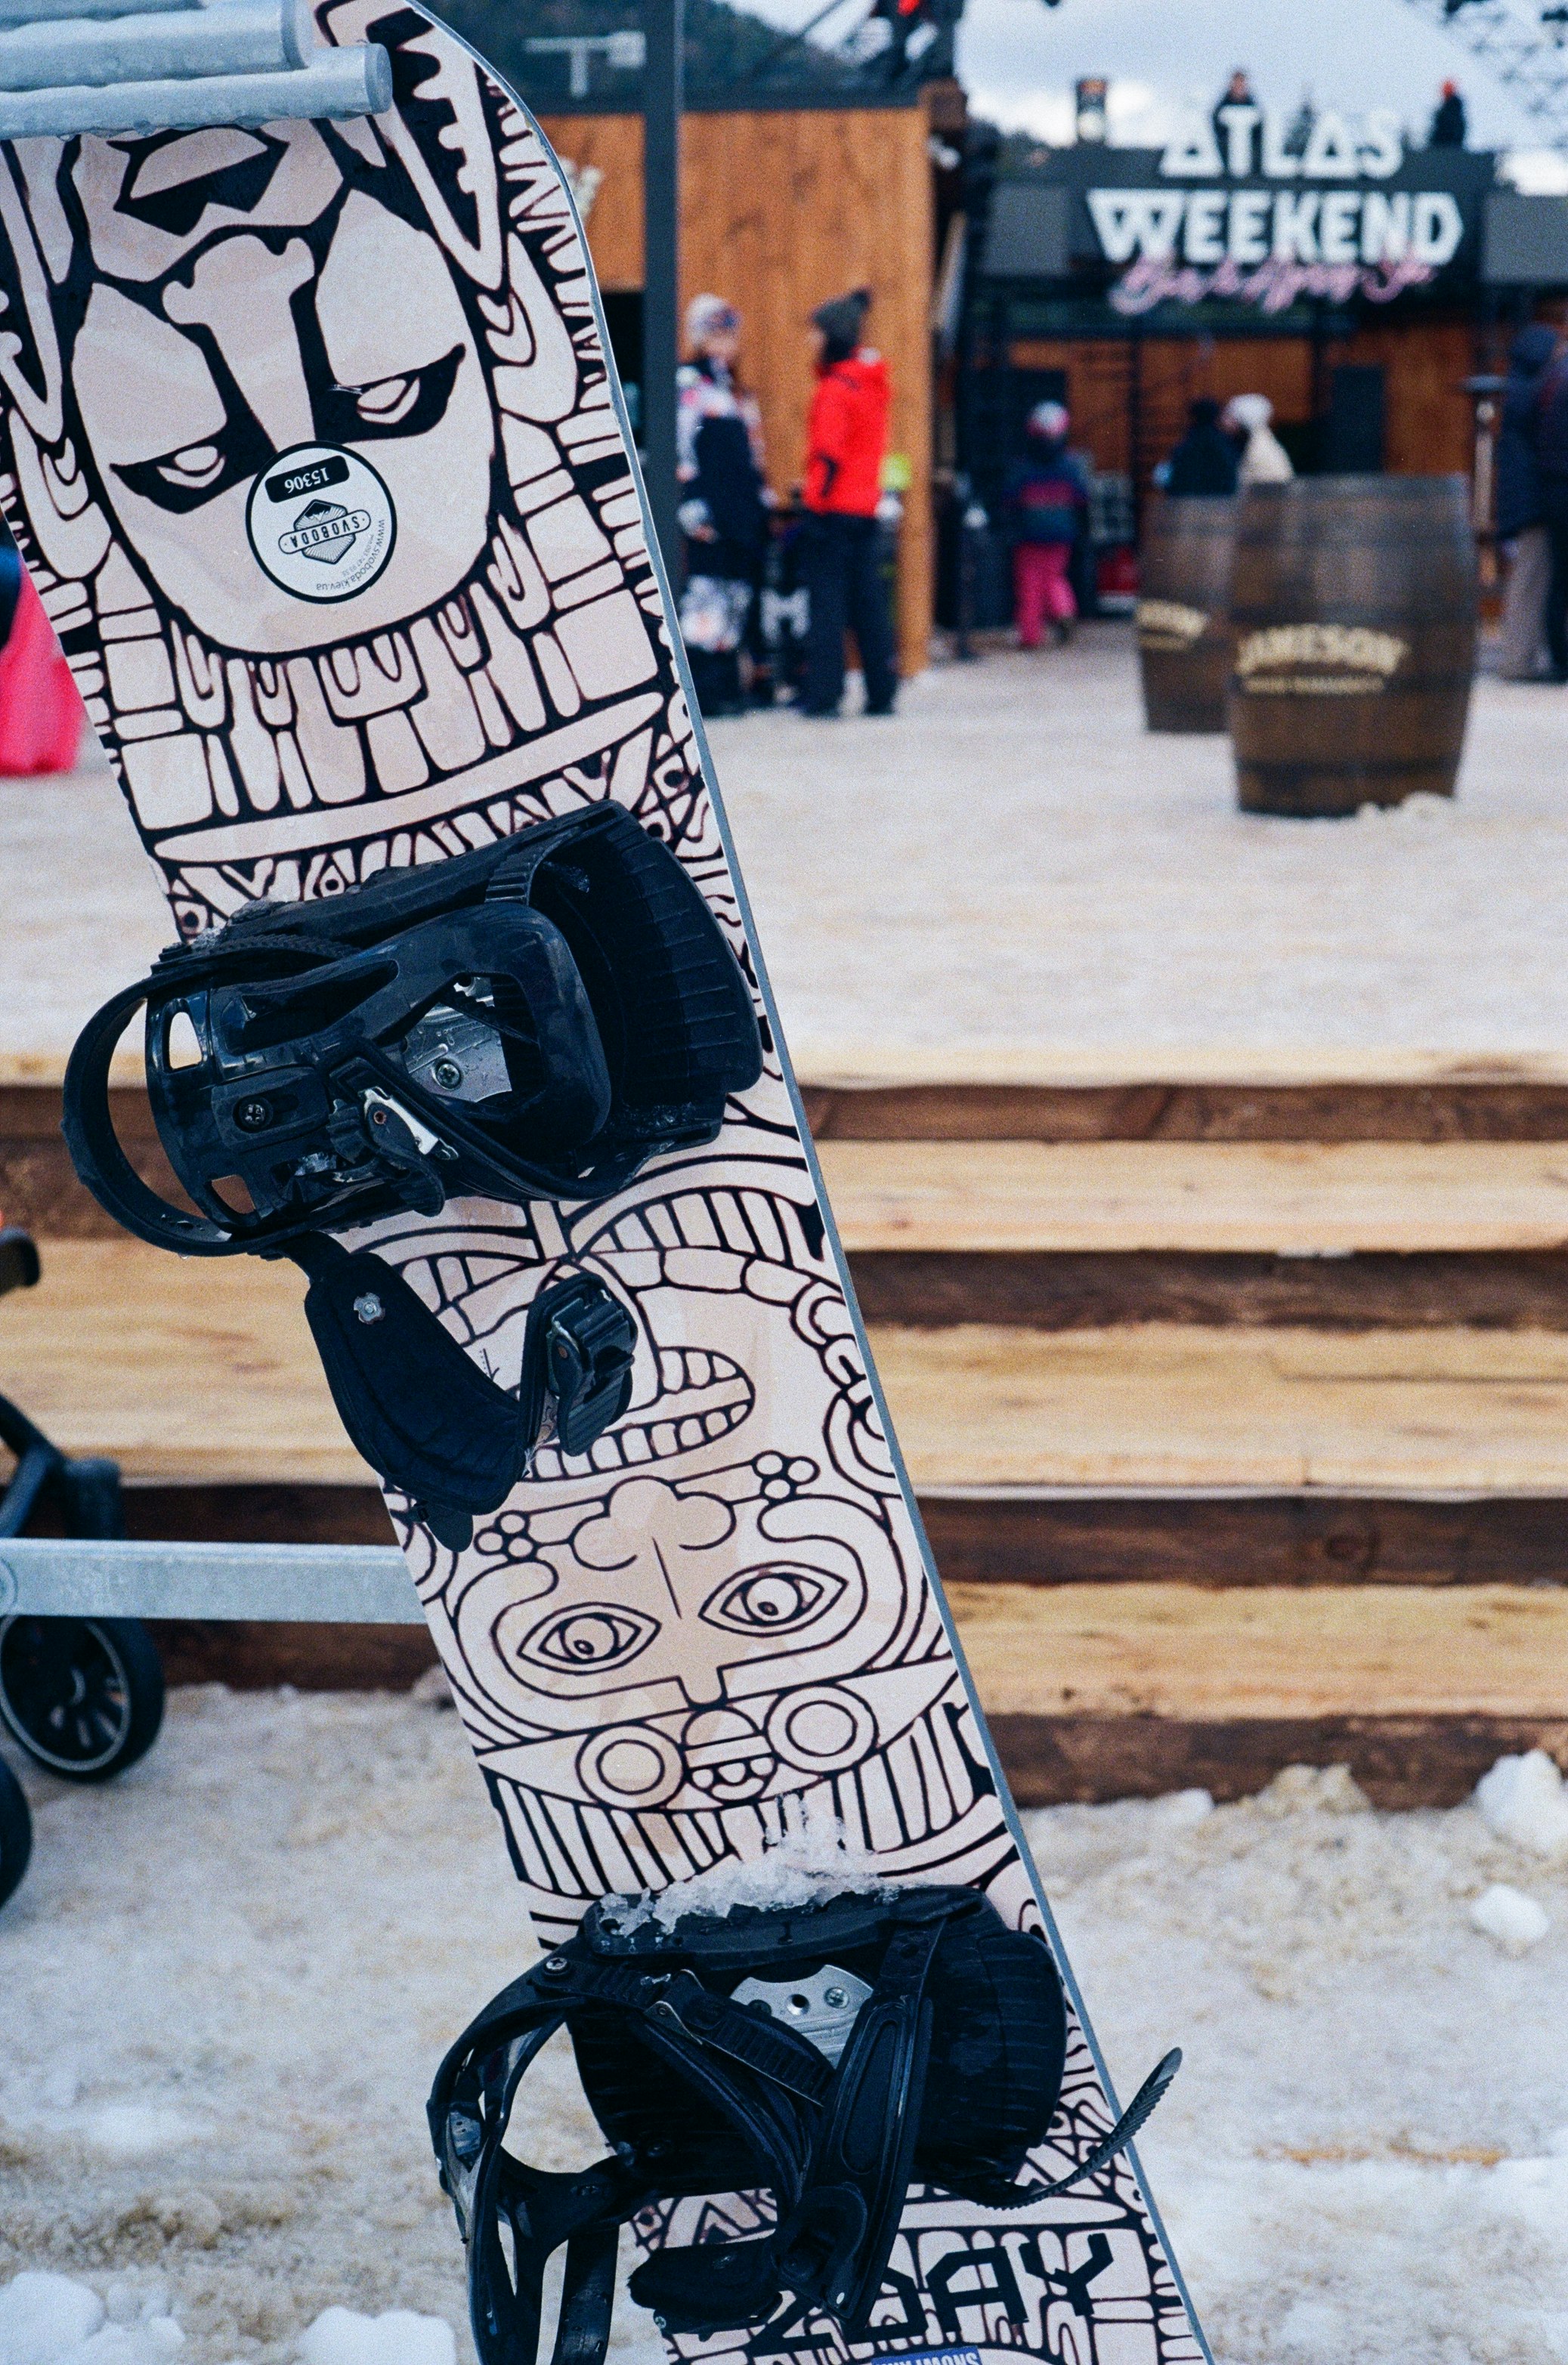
[(1183, 639), (1352, 606)]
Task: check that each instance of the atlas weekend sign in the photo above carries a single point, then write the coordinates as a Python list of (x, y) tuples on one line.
[(1279, 226)]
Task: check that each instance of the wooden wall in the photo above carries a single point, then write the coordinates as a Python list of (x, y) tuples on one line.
[(779, 211), (1428, 419)]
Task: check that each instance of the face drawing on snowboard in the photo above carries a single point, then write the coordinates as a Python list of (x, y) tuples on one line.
[(227, 325), (709, 1621), (249, 304)]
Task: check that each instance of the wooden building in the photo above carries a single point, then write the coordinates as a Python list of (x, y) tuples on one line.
[(782, 207), (1356, 282)]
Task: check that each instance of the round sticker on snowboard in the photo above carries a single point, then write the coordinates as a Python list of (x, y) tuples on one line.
[(322, 522)]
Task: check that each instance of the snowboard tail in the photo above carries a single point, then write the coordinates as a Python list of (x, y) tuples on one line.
[(313, 448)]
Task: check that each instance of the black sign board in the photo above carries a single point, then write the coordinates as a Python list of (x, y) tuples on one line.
[(1227, 213)]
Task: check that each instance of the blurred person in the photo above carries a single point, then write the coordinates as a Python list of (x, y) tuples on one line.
[(846, 440), (1520, 520), (1449, 126), (724, 503), (1206, 460), (1237, 92), (1264, 460), (1046, 501), (1552, 464)]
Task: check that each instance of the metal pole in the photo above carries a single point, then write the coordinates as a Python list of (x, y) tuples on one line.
[(662, 98)]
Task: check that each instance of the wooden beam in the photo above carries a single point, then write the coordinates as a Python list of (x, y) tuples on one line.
[(1198, 1654), (932, 1289), (1400, 1761), (1219, 1540), (1369, 1109), (204, 1371)]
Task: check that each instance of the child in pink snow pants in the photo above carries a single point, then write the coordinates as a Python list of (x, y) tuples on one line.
[(1046, 498)]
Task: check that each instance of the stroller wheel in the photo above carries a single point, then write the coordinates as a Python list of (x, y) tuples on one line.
[(15, 1833), (84, 1695)]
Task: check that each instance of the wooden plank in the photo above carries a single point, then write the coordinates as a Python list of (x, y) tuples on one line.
[(1210, 1540), (1274, 1198), (857, 1062), (1167, 1407), (1527, 1291), (1194, 1653)]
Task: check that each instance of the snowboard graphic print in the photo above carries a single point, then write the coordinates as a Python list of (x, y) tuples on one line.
[(313, 451)]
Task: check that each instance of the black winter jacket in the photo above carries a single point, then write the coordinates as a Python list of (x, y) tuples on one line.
[(1519, 437)]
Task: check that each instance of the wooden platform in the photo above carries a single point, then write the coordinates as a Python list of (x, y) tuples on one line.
[(1236, 1446)]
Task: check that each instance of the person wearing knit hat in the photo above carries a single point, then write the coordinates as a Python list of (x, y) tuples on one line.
[(847, 439), (723, 507)]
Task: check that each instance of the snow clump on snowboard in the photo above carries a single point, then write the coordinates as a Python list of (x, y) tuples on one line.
[(806, 1867)]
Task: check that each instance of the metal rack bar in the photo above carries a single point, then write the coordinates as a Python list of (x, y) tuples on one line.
[(348, 1584)]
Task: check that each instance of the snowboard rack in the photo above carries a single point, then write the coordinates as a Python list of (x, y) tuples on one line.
[(142, 66), (833, 2053), (534, 1020)]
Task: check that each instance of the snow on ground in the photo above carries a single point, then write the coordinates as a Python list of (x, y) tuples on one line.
[(228, 1980), (1012, 875)]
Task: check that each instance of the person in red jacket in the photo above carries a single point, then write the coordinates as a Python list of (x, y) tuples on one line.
[(846, 441)]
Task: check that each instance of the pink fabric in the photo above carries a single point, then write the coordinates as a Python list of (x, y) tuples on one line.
[(1041, 589), (40, 709)]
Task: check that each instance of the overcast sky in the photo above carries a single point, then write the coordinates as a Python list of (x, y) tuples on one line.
[(1019, 59)]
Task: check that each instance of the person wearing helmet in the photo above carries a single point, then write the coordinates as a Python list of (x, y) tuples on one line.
[(1264, 460), (846, 438), (724, 497), (1046, 501)]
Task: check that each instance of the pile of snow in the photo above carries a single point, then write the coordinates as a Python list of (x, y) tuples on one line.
[(806, 1867), (1523, 1799), (1516, 1920), (339, 2337), (47, 2319)]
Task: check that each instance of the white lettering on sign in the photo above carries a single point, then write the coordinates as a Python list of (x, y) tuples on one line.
[(1135, 224), (1272, 246), (1255, 141)]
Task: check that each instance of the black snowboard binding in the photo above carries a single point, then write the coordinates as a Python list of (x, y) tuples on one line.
[(832, 2054), (531, 1021)]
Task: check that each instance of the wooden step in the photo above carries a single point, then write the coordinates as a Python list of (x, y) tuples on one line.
[(188, 1370), (1196, 1653), (181, 1369), (1160, 1639), (1166, 1407)]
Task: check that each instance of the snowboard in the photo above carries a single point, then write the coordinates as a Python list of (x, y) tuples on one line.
[(441, 622)]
